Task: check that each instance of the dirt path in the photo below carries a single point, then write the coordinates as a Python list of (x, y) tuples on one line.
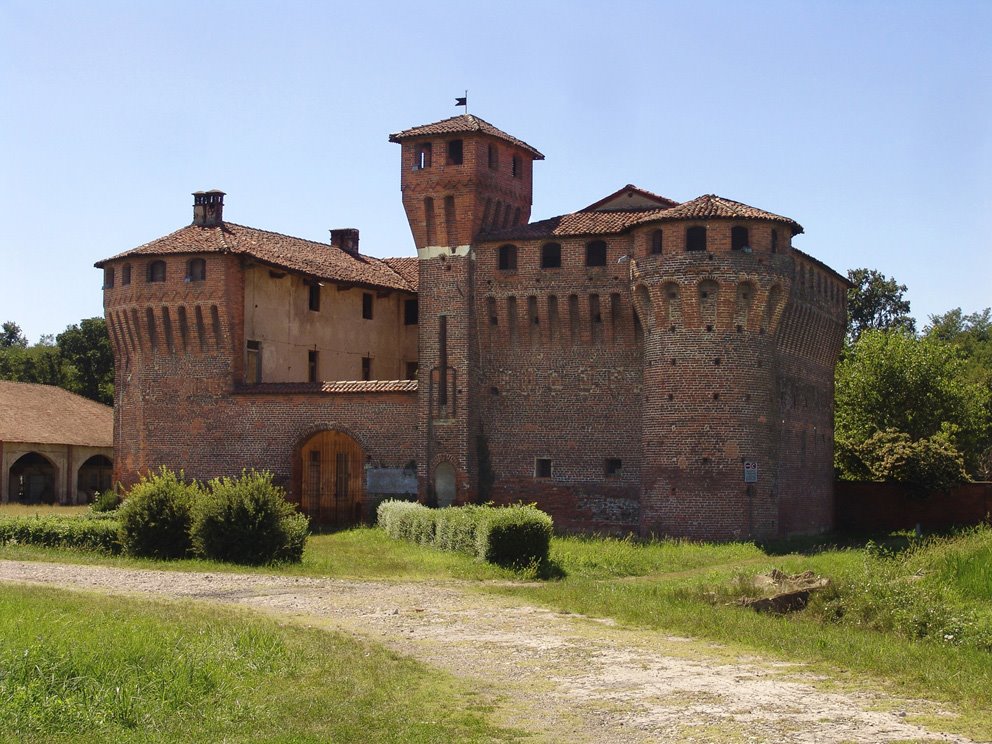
[(563, 677)]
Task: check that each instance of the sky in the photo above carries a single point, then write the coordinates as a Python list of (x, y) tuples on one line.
[(869, 123)]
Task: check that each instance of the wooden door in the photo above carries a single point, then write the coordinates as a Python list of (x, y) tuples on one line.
[(332, 470)]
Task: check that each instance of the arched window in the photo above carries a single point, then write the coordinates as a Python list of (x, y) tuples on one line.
[(156, 271), (695, 238), (596, 253), (508, 257), (125, 274), (738, 238), (551, 256), (196, 270), (656, 242)]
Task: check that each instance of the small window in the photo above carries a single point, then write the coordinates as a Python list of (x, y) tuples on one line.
[(774, 241), (542, 467), (411, 370), (313, 366), (108, 278), (493, 157), (596, 253), (253, 363), (313, 302), (455, 152), (738, 238), (156, 271), (411, 312), (613, 467), (422, 156), (366, 368), (367, 305), (695, 238), (551, 256), (516, 167), (126, 275), (508, 258), (656, 243), (196, 270)]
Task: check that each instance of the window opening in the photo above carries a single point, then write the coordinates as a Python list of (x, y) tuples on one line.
[(613, 467), (411, 312), (196, 270), (156, 271), (313, 365), (774, 241), (366, 368), (596, 253), (542, 467), (493, 157), (656, 242), (508, 257), (695, 238), (455, 152), (738, 238), (253, 363), (411, 370), (314, 299), (108, 278), (429, 220), (126, 274), (516, 167), (422, 156), (551, 256), (367, 305)]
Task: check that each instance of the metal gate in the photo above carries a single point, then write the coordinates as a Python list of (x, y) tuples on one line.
[(332, 470)]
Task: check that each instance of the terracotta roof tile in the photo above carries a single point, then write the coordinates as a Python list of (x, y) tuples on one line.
[(320, 260), (406, 267), (333, 387), (662, 201), (51, 415), (713, 207), (463, 124)]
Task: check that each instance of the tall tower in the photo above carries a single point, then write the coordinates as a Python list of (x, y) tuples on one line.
[(460, 177)]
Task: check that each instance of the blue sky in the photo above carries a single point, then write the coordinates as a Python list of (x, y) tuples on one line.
[(870, 123)]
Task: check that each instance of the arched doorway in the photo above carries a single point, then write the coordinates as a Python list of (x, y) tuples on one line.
[(332, 470), (444, 484), (96, 475), (32, 480)]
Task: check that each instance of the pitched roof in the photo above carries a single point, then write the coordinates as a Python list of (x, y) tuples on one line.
[(464, 123), (50, 415), (630, 191), (320, 260), (713, 207), (591, 221)]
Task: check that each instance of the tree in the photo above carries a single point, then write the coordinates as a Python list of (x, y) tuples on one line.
[(891, 380), (89, 358), (876, 302), (11, 336)]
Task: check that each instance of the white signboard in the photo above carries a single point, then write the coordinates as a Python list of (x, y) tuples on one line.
[(750, 471)]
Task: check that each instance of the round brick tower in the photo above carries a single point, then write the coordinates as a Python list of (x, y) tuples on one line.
[(721, 435)]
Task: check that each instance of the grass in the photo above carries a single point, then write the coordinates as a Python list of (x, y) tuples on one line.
[(82, 668), (913, 614)]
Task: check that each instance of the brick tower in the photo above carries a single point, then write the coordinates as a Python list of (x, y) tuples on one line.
[(460, 177)]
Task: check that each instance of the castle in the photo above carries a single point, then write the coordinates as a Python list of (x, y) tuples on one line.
[(639, 365)]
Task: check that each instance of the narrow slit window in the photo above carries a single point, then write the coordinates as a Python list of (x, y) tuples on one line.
[(253, 363), (126, 275), (516, 167), (313, 366), (313, 301), (366, 368), (493, 157), (367, 300)]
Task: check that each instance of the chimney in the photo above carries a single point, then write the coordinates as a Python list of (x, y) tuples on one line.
[(208, 208), (345, 238)]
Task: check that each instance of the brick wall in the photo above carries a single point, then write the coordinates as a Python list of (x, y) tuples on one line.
[(881, 507)]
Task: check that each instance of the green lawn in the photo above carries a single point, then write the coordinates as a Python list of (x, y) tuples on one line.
[(82, 668)]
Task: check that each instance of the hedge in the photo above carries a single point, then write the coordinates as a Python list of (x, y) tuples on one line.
[(506, 535), (62, 532)]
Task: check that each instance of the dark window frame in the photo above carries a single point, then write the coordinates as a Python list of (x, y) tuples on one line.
[(695, 238), (368, 305), (507, 257), (366, 368), (313, 365), (411, 312), (596, 253), (313, 297), (196, 270), (543, 467), (613, 467), (455, 152), (739, 238), (108, 277), (423, 155), (657, 242), (551, 256), (157, 272)]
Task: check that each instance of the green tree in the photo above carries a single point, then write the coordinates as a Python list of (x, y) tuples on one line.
[(891, 380), (876, 302), (89, 359), (11, 336)]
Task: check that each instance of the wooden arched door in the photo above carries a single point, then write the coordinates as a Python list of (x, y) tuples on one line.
[(332, 469)]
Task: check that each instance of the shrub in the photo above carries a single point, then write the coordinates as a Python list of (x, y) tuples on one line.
[(107, 501), (62, 532), (155, 517), (516, 536), (248, 520)]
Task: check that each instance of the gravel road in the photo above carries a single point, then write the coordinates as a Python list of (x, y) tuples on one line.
[(562, 677)]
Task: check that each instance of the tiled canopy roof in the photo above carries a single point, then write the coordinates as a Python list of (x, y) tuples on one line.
[(320, 260), (333, 386), (465, 123), (615, 221), (50, 415)]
